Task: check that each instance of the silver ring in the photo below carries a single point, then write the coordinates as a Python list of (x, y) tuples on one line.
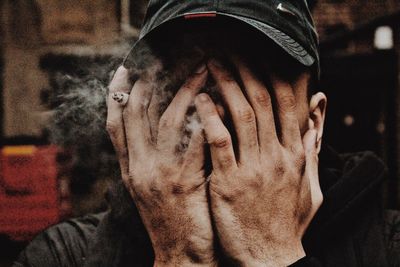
[(120, 97)]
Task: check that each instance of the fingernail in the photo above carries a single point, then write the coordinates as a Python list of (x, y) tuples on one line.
[(202, 68), (122, 70), (203, 97), (122, 67)]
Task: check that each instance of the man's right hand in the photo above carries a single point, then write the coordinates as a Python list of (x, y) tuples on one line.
[(168, 188)]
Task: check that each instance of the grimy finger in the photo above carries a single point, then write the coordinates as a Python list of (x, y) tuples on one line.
[(241, 111), (218, 137), (171, 122), (137, 127), (287, 115), (194, 156), (115, 124), (260, 100)]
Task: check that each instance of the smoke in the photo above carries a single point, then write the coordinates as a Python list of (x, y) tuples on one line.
[(80, 115), (166, 59), (77, 102)]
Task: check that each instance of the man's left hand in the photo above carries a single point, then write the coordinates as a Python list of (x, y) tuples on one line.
[(264, 197)]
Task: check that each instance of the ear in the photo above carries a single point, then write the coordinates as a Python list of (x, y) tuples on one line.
[(316, 119)]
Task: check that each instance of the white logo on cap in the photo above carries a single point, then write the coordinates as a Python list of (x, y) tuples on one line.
[(283, 9)]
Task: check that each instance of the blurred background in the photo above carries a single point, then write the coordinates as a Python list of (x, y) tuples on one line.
[(57, 56)]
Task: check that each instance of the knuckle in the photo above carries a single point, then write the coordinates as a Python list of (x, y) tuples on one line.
[(263, 98), (184, 187), (223, 141), (228, 195), (134, 110), (287, 102), (298, 152), (299, 158), (190, 85), (246, 115), (165, 170), (228, 78), (257, 182), (112, 128), (211, 113)]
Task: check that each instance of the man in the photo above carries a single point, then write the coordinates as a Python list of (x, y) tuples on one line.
[(247, 188)]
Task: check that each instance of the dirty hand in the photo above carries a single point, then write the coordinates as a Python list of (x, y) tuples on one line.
[(168, 188), (263, 199)]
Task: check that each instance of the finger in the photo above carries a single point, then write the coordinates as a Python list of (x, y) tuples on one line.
[(114, 123), (137, 127), (260, 100), (154, 114), (241, 111), (119, 83), (286, 113), (311, 153), (194, 156), (221, 111), (218, 137), (171, 122)]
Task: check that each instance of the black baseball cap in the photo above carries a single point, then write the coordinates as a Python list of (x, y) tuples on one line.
[(286, 22)]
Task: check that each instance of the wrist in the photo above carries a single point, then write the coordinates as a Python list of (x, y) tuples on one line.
[(183, 261), (289, 254), (274, 256), (187, 257), (292, 254)]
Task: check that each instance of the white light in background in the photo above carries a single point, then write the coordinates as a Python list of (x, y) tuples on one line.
[(348, 120), (383, 38)]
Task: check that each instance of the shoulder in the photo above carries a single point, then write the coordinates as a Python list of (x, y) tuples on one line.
[(64, 244)]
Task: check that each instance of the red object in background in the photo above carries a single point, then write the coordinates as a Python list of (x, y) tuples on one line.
[(30, 199)]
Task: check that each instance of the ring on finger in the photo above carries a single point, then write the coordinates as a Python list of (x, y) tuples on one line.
[(120, 97)]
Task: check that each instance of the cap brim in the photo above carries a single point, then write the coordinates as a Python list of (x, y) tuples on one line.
[(288, 44)]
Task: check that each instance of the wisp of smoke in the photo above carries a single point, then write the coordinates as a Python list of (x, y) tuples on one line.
[(166, 58)]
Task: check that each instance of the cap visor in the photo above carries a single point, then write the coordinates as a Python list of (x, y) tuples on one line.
[(288, 44)]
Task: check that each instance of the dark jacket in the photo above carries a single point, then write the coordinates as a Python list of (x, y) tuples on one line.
[(350, 229)]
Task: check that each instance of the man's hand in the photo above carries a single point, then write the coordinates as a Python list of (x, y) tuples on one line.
[(168, 188), (264, 198)]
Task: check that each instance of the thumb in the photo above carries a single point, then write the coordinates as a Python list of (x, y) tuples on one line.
[(311, 153), (310, 141)]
